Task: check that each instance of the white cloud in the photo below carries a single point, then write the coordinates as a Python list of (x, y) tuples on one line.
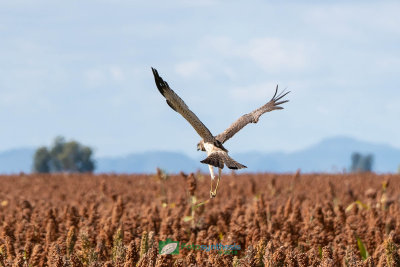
[(276, 55), (101, 75), (191, 68), (202, 3), (94, 77), (355, 21), (254, 92), (271, 54), (387, 64), (117, 73), (222, 45)]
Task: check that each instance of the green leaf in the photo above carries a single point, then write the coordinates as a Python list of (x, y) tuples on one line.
[(349, 207), (187, 218), (221, 236), (201, 204), (361, 205), (363, 251), (384, 185)]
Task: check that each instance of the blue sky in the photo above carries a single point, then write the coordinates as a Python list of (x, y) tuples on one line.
[(82, 70)]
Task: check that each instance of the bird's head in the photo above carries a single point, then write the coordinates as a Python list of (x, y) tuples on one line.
[(200, 146)]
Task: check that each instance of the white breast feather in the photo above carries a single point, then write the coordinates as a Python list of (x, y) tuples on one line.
[(209, 147)]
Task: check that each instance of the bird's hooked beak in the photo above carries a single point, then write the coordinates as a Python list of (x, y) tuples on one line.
[(200, 146)]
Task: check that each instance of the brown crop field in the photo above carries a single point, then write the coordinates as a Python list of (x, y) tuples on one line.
[(256, 220)]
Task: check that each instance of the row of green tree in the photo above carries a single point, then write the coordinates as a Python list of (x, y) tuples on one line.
[(72, 156), (361, 163), (63, 156)]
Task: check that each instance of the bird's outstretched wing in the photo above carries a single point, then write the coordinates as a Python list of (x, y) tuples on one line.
[(253, 117), (177, 104)]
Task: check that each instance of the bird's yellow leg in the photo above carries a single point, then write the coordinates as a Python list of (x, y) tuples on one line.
[(212, 179), (211, 172), (216, 187)]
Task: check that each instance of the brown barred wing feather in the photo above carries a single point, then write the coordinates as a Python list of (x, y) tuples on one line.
[(254, 116), (177, 104)]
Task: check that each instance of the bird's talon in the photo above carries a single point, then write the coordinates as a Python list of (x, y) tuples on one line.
[(213, 194)]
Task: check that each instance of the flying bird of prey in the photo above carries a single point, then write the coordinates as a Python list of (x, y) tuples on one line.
[(217, 154)]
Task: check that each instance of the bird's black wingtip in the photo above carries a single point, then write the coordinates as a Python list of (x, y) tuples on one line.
[(155, 72), (279, 96), (160, 83)]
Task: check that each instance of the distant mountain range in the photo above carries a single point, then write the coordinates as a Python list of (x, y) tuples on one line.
[(330, 155), (16, 160)]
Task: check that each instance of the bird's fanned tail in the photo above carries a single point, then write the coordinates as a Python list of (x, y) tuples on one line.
[(219, 158)]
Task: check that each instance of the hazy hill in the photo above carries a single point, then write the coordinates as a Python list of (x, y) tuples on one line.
[(329, 155), (16, 160), (147, 162)]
